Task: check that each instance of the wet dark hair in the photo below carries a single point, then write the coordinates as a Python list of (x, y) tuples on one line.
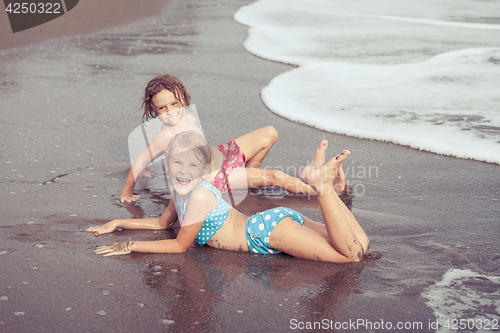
[(191, 140), (159, 83)]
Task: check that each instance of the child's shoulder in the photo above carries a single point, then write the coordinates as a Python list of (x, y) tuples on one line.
[(203, 191), (167, 132), (190, 118), (202, 197)]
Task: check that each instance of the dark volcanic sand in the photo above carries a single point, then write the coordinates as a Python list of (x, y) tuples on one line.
[(68, 106)]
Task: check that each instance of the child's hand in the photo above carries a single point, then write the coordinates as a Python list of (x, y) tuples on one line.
[(102, 229), (129, 197), (114, 250)]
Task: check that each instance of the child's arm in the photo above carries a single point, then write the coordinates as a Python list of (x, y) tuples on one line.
[(201, 202), (184, 239), (164, 221), (156, 148), (128, 189)]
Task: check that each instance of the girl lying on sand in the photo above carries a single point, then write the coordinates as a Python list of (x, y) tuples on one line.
[(166, 97), (207, 219)]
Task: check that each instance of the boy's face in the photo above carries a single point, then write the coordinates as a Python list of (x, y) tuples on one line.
[(169, 110), (185, 170)]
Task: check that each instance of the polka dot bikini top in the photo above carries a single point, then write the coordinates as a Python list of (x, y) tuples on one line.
[(215, 218)]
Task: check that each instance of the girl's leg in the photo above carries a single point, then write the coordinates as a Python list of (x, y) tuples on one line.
[(243, 178), (317, 161), (339, 181), (346, 240), (255, 145), (318, 227), (334, 212), (292, 238)]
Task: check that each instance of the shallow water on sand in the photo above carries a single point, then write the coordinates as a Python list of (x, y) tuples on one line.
[(67, 109)]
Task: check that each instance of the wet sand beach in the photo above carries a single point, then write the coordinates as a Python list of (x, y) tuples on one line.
[(68, 106), (88, 16)]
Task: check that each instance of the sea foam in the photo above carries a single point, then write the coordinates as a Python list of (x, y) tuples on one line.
[(468, 296), (385, 72)]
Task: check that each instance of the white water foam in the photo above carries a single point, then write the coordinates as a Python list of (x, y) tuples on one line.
[(466, 295), (438, 22), (383, 71)]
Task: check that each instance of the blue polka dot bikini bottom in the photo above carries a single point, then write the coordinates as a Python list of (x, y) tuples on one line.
[(260, 226)]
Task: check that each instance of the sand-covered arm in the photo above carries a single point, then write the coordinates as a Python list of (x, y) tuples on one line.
[(180, 244), (201, 202), (164, 221)]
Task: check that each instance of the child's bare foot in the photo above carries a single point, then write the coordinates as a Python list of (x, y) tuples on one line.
[(339, 181), (320, 179), (317, 161)]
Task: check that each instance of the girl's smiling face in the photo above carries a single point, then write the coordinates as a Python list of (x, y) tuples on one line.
[(169, 110), (185, 170)]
